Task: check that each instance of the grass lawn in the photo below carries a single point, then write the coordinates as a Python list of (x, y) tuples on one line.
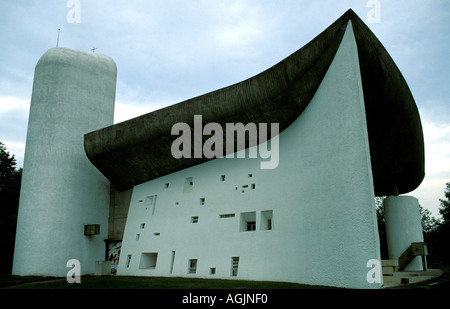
[(123, 282)]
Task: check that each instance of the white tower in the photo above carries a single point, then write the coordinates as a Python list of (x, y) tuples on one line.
[(403, 227), (73, 94)]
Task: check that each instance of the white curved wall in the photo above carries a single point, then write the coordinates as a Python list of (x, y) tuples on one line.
[(73, 94), (324, 228)]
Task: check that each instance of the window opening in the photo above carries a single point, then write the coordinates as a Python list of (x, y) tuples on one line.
[(266, 220), (172, 260), (224, 216), (150, 201), (248, 221), (127, 264), (234, 266), (192, 266), (148, 260), (188, 184)]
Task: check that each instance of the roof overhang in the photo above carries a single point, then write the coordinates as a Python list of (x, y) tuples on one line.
[(139, 150)]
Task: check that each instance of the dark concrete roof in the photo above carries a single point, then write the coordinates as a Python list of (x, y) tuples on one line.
[(139, 150)]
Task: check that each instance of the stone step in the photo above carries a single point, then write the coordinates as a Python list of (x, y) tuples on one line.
[(389, 267)]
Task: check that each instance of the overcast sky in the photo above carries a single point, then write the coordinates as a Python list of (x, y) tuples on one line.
[(168, 51)]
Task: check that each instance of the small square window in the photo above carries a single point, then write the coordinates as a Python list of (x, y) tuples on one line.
[(92, 229), (248, 221), (142, 226), (149, 200), (222, 178), (188, 184), (167, 185), (194, 219), (148, 260), (202, 201), (212, 271), (138, 236)]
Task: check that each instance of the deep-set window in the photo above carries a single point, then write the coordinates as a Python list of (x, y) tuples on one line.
[(192, 266), (234, 266)]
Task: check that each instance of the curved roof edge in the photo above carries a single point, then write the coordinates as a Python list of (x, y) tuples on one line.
[(139, 150)]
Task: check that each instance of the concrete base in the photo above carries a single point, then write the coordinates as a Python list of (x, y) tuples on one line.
[(413, 278), (389, 267), (103, 268)]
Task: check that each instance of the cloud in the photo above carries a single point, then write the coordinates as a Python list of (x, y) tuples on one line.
[(429, 193), (437, 149), (126, 111), (437, 165), (10, 104), (13, 125)]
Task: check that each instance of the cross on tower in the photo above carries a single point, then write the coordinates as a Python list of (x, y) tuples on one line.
[(93, 49)]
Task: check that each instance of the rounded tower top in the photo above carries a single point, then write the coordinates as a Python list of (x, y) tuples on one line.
[(72, 57)]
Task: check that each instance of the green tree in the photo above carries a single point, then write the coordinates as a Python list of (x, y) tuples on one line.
[(429, 223), (7, 168), (381, 227), (443, 232), (10, 180)]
